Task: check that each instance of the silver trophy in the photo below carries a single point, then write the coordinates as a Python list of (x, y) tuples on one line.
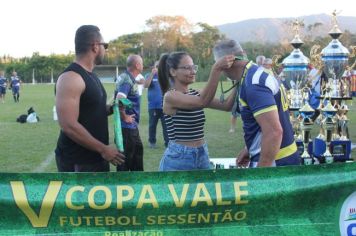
[(306, 126), (343, 122), (335, 59), (295, 70), (329, 125)]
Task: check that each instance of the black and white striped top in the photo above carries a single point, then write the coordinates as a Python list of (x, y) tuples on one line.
[(186, 125)]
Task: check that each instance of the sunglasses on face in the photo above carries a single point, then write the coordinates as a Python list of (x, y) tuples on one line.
[(189, 67), (106, 45)]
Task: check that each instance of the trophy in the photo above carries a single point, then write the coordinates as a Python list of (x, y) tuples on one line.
[(336, 90), (329, 125), (343, 122), (295, 69), (335, 60), (306, 125)]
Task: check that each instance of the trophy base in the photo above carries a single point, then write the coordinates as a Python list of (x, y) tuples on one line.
[(307, 161), (340, 150), (329, 159), (300, 147), (335, 98)]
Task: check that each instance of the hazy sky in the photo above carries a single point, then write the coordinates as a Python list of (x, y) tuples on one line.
[(48, 26)]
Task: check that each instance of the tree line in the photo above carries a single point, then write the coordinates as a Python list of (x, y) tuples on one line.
[(164, 34)]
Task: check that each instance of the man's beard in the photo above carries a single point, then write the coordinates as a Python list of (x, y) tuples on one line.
[(99, 60)]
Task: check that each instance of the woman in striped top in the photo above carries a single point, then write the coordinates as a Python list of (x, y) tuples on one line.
[(183, 109)]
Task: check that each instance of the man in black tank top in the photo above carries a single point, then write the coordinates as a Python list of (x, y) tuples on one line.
[(82, 111)]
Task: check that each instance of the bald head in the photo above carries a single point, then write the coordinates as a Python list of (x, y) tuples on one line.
[(134, 64), (132, 60)]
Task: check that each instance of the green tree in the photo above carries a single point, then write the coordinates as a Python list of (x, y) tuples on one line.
[(167, 34)]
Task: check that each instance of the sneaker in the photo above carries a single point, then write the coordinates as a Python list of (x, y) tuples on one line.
[(153, 145), (231, 131)]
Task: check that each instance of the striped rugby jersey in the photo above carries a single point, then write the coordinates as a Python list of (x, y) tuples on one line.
[(186, 125), (261, 92)]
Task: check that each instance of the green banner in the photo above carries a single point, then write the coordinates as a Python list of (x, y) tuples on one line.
[(305, 200)]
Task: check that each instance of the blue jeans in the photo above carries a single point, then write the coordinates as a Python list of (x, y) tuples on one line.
[(154, 116), (181, 157)]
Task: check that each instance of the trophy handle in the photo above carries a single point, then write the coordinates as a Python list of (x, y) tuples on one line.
[(275, 64), (315, 57), (352, 54)]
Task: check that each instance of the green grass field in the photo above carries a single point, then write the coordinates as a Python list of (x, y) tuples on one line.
[(29, 147)]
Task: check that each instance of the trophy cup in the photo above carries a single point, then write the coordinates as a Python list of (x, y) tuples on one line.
[(329, 124), (343, 122), (336, 90), (335, 59), (295, 68), (306, 125), (295, 71)]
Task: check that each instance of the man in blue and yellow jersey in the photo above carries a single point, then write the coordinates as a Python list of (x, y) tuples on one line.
[(264, 111)]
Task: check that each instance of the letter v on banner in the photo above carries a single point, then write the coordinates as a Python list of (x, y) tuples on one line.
[(42, 219)]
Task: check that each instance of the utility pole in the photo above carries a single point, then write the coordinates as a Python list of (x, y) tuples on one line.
[(33, 76), (52, 82)]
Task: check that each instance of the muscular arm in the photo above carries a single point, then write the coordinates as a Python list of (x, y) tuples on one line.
[(271, 137), (69, 88)]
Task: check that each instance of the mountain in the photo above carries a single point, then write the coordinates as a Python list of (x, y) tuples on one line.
[(276, 29)]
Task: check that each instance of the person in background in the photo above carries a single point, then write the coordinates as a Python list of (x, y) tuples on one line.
[(264, 111), (140, 84), (234, 115), (130, 118), (3, 86), (260, 59), (183, 108), (155, 103), (267, 64), (314, 79), (83, 142), (15, 84)]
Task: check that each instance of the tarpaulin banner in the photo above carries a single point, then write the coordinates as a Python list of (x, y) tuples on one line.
[(303, 200)]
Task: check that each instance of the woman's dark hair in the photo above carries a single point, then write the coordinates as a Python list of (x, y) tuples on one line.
[(166, 62)]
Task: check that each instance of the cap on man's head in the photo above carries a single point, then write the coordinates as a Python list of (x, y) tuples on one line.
[(228, 47)]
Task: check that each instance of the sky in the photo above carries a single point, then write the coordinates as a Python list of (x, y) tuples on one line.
[(48, 26)]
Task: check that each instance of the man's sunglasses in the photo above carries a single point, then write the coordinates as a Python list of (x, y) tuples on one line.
[(106, 45)]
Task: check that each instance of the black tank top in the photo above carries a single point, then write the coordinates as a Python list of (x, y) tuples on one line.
[(92, 115)]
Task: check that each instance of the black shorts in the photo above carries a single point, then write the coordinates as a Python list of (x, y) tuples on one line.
[(67, 166)]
